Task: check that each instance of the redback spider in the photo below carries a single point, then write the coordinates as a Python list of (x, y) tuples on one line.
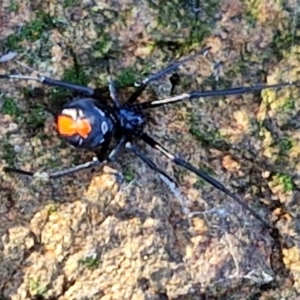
[(89, 122)]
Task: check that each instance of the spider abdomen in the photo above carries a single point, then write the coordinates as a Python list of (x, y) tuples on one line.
[(84, 124)]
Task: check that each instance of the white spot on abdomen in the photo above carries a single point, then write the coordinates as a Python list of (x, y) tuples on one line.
[(104, 127), (72, 112)]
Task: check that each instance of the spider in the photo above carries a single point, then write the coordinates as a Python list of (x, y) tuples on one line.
[(90, 121)]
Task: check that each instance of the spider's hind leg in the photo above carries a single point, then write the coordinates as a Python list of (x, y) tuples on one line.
[(95, 162), (218, 185)]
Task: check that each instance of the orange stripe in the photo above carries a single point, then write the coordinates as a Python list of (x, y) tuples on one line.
[(67, 126), (84, 128)]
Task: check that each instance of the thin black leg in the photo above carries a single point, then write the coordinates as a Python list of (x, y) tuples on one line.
[(53, 82), (112, 87), (50, 175), (103, 152), (95, 162), (148, 161), (171, 68), (113, 153), (113, 91), (170, 182), (180, 162), (199, 94)]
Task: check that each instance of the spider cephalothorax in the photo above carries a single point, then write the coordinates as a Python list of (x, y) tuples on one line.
[(90, 122)]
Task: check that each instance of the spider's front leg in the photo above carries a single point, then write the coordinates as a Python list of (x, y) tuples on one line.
[(169, 69)]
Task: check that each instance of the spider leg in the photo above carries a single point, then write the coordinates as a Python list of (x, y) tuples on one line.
[(102, 152), (172, 67), (47, 175), (95, 162), (112, 87), (180, 162), (170, 182), (199, 94), (53, 82), (149, 162)]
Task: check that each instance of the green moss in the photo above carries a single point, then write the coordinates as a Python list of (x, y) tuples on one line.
[(27, 92), (289, 104), (128, 174), (282, 42), (127, 77), (52, 208), (250, 14), (286, 181), (285, 144), (103, 45), (9, 107), (211, 139), (52, 164), (8, 152), (200, 30), (36, 116), (36, 288), (43, 136), (200, 183), (207, 137), (31, 32), (75, 75), (13, 6), (89, 262), (69, 3), (279, 44)]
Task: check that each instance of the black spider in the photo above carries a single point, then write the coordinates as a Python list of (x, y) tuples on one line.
[(89, 122)]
